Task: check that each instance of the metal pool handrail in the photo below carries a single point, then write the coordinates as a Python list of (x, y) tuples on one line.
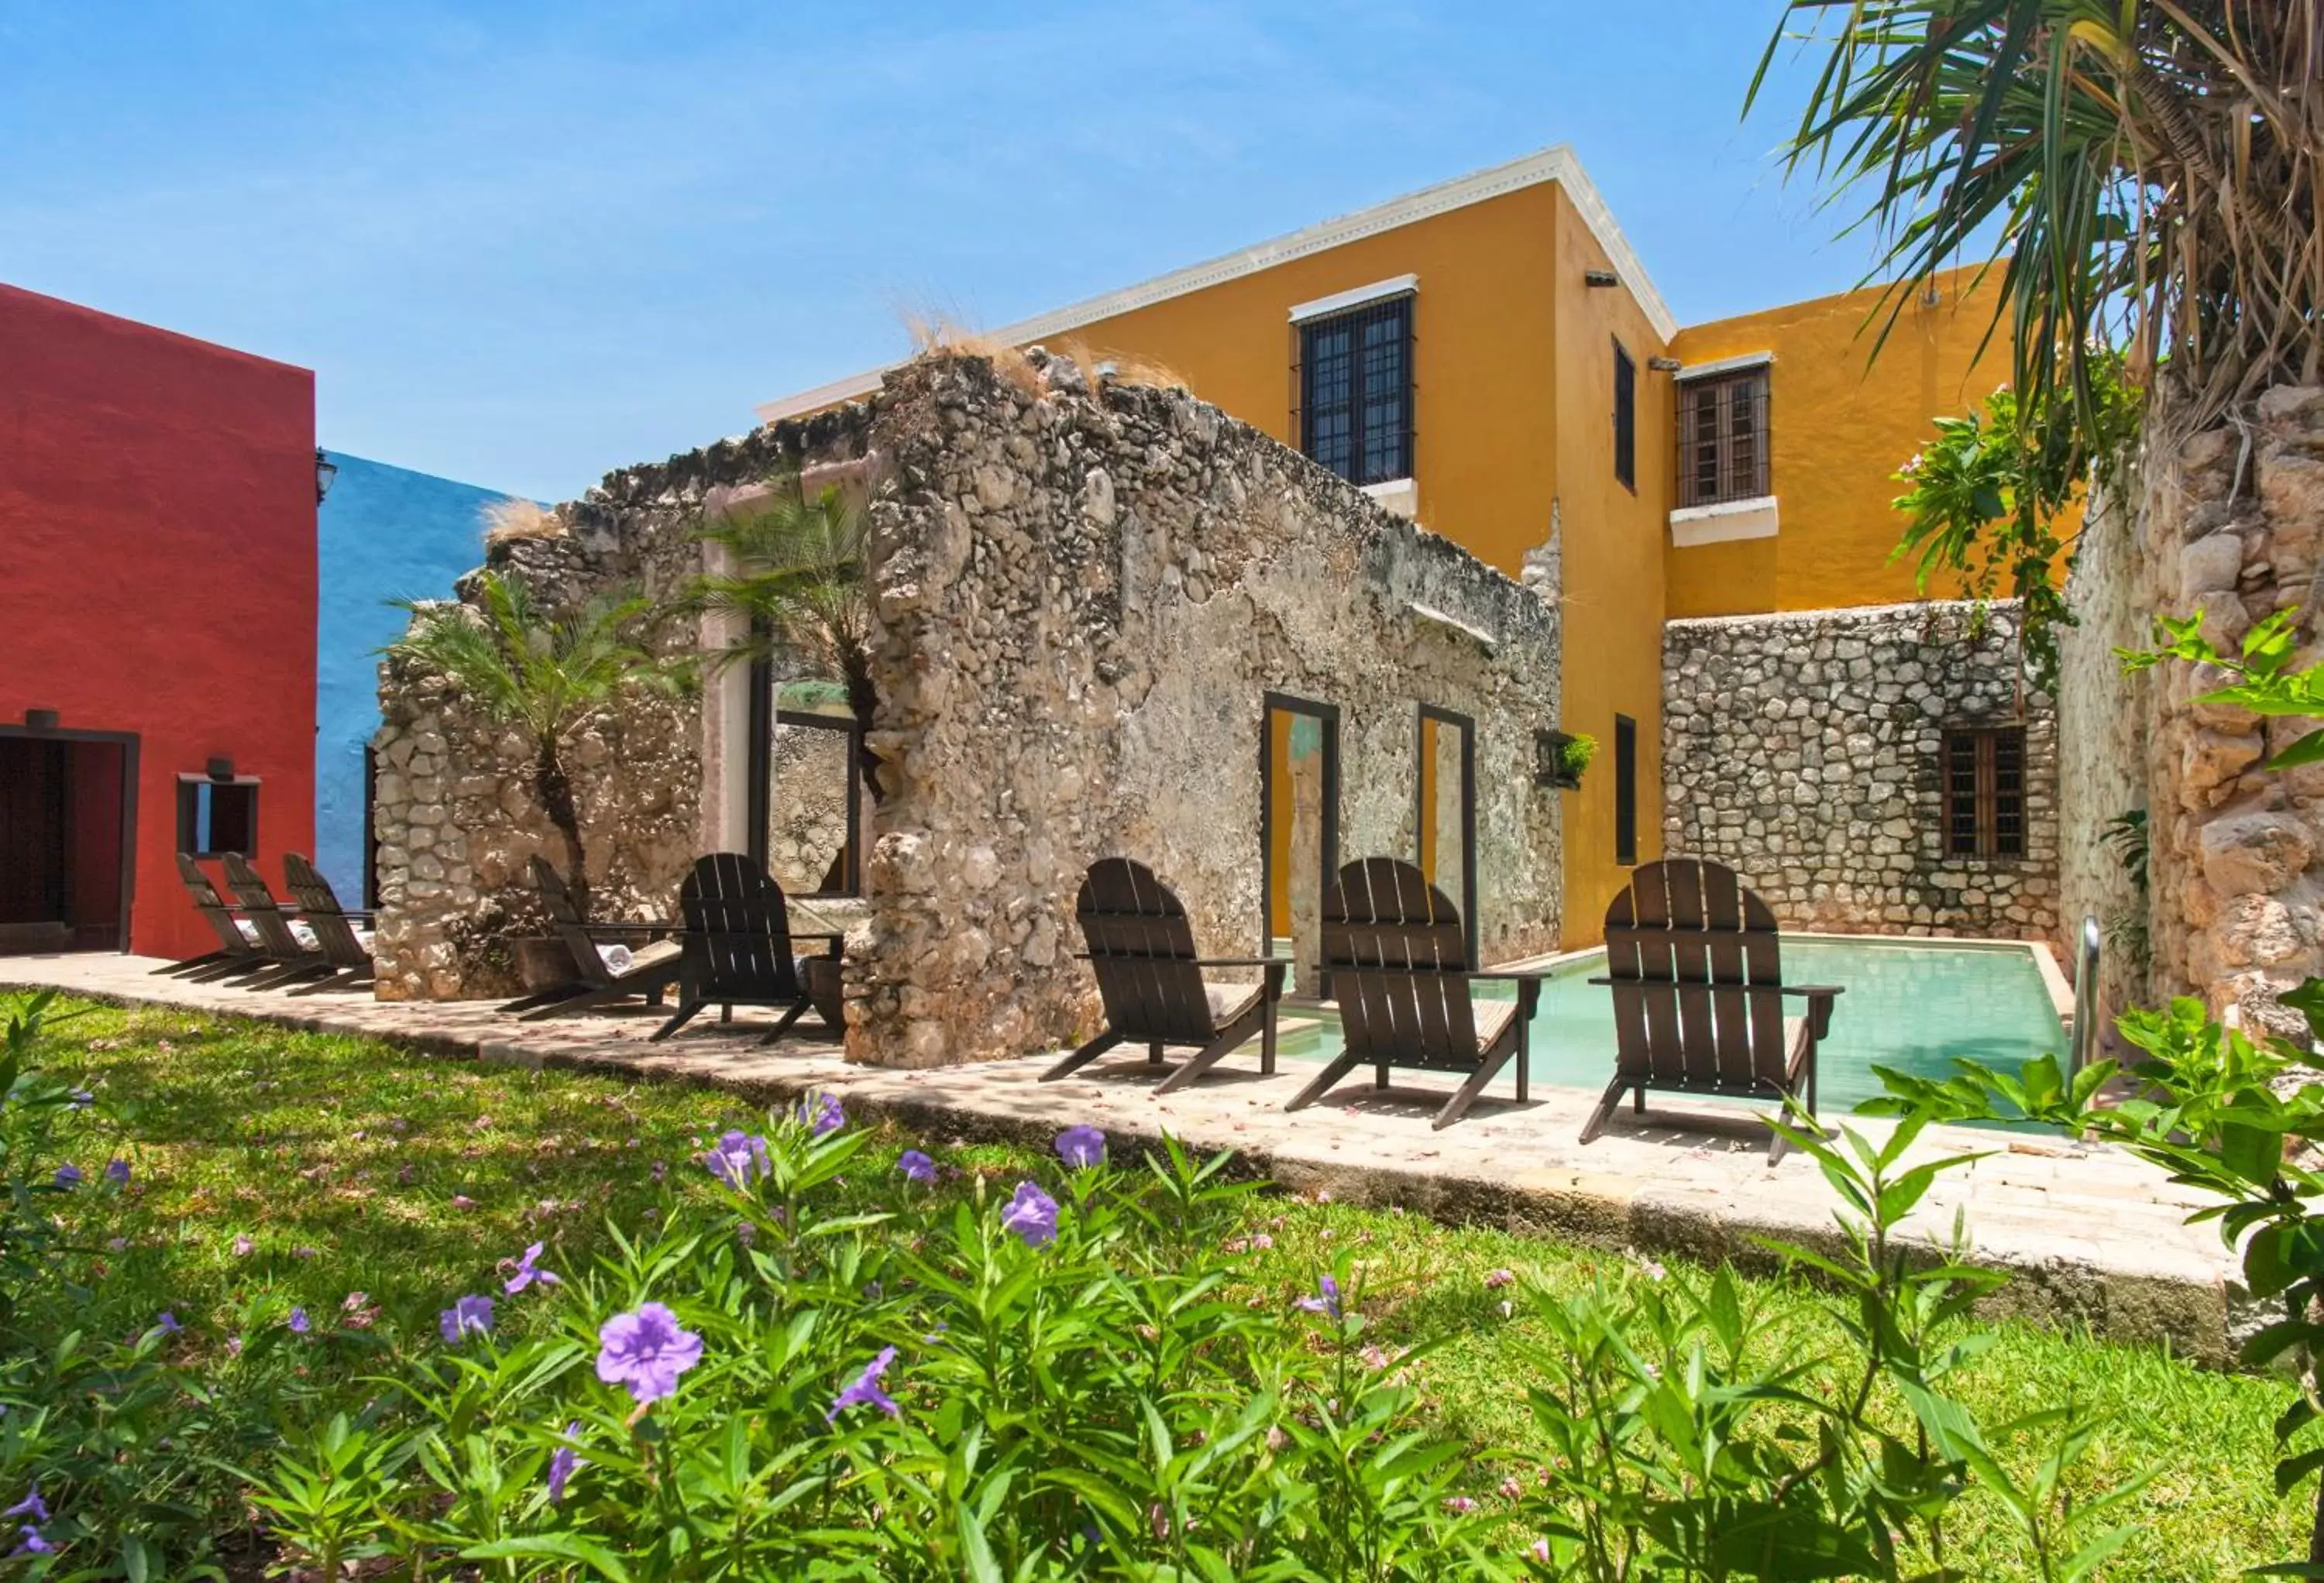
[(2086, 998)]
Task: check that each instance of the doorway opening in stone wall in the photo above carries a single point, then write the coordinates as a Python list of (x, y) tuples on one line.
[(806, 789), (1298, 831), (1445, 810)]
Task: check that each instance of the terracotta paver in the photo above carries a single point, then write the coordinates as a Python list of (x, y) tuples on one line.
[(2089, 1234)]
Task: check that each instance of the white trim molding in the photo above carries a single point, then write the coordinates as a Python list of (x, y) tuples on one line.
[(1341, 301), (1400, 496), (1434, 617), (1735, 364), (1728, 519), (1556, 165)]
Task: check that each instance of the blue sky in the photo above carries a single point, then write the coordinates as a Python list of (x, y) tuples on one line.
[(524, 244)]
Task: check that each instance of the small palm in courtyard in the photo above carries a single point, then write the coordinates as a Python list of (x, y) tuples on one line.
[(799, 578), (546, 676)]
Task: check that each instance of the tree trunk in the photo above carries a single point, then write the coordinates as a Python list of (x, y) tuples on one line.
[(555, 788)]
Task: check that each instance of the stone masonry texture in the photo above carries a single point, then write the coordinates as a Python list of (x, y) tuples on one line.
[(1802, 751), (1082, 596), (2230, 522)]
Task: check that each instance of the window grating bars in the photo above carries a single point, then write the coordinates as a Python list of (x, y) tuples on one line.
[(1354, 379), (1722, 437), (1985, 792)]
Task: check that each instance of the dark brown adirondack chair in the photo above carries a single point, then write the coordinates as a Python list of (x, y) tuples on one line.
[(737, 948), (652, 970), (335, 934), (1699, 994), (256, 902), (1151, 981), (1398, 960), (235, 953)]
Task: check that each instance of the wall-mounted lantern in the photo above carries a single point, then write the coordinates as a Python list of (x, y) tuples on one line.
[(326, 470)]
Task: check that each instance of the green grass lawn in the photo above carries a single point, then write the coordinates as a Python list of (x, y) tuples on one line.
[(369, 1185)]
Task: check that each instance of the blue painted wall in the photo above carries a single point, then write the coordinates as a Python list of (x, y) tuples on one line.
[(384, 533)]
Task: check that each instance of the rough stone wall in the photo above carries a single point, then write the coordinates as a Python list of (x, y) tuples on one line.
[(1083, 600), (2232, 523), (1803, 749), (2102, 727), (806, 804), (456, 815)]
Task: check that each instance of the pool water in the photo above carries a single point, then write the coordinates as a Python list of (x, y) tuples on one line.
[(1910, 1005)]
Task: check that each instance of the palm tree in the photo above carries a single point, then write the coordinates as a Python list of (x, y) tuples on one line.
[(2144, 173), (799, 580), (547, 677)]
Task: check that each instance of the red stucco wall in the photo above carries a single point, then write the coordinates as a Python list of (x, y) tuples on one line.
[(157, 569)]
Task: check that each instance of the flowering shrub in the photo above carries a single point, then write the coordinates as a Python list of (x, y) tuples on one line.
[(1048, 1386)]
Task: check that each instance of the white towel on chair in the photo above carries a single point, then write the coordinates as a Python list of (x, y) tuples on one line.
[(618, 958), (303, 932), (249, 930)]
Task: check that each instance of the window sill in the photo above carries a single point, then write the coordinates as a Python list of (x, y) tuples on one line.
[(1400, 496), (1728, 519)]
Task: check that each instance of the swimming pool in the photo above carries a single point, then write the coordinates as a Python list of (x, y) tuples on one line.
[(1910, 1005)]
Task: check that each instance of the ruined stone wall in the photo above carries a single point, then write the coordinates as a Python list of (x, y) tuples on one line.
[(1082, 599), (1083, 602), (1802, 751), (456, 813), (806, 804), (2232, 523)]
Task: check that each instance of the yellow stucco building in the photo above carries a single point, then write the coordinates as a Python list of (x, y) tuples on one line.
[(1489, 356)]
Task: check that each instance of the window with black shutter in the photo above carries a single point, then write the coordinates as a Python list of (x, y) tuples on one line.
[(1626, 418), (1722, 437), (1985, 792), (1626, 789), (218, 816), (1355, 391)]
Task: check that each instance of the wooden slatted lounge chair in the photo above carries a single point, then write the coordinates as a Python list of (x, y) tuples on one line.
[(1398, 961), (235, 953), (256, 905), (652, 970), (737, 948), (334, 933), (1151, 982), (1694, 961)]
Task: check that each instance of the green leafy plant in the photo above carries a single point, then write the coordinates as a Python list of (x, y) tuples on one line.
[(1574, 755), (1988, 500), (546, 676), (2143, 173), (2262, 677), (799, 578)]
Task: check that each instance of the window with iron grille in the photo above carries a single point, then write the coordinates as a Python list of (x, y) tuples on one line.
[(1626, 418), (1722, 437), (1985, 792), (1355, 391)]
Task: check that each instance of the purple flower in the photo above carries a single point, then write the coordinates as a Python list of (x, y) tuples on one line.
[(116, 1172), (866, 1392), (82, 1099), (1080, 1147), (562, 1463), (917, 1166), (31, 1543), (738, 1159), (243, 1246), (68, 1176), (1032, 1214), (167, 1324), (526, 1273), (31, 1506), (822, 1114), (645, 1350), (469, 1313), (1326, 1300), (298, 1322)]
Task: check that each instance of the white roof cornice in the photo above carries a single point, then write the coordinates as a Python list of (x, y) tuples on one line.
[(1556, 164)]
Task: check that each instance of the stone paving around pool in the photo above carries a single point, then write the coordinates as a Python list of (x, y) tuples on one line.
[(2090, 1235)]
